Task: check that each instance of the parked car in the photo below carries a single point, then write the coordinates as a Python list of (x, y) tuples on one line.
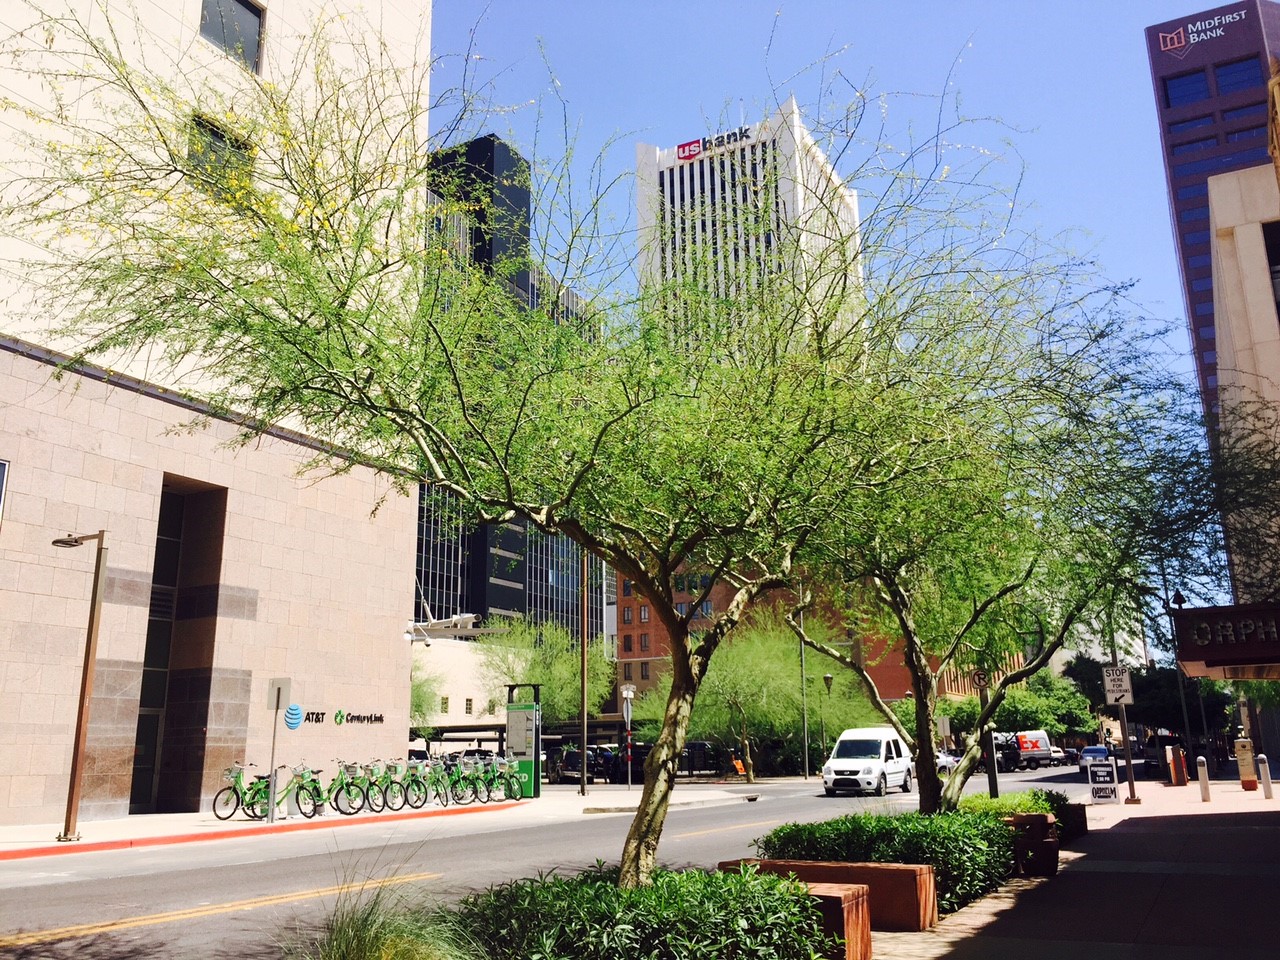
[(1070, 756), (569, 768), (947, 761), (618, 765), (1091, 755), (868, 760), (1057, 756)]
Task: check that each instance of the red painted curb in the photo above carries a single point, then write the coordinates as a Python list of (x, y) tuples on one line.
[(235, 833)]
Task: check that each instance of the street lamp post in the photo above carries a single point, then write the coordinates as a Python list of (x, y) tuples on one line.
[(826, 679), (86, 677)]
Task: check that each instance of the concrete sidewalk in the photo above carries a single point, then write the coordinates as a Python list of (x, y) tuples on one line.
[(144, 830), (1172, 878)]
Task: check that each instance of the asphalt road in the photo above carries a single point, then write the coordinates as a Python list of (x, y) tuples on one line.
[(247, 897)]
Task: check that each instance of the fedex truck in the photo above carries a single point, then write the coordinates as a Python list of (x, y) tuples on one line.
[(1033, 747)]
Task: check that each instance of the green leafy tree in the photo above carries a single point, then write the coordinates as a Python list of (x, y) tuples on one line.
[(548, 655), (424, 695)]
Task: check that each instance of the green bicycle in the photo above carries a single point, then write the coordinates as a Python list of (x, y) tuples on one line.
[(230, 799), (416, 787), (438, 782), (387, 776), (341, 794), (344, 794), (369, 779)]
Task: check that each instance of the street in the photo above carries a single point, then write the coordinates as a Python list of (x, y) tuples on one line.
[(245, 897)]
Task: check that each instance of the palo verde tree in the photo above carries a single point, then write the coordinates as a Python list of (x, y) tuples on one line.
[(548, 655), (290, 248)]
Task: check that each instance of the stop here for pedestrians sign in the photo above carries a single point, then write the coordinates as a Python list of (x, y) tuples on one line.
[(1115, 681)]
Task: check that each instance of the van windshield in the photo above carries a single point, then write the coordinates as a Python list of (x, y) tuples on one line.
[(858, 750)]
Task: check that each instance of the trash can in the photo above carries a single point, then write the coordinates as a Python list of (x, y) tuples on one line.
[(1176, 761)]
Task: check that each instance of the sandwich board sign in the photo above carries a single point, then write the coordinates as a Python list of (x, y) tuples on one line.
[(1104, 783)]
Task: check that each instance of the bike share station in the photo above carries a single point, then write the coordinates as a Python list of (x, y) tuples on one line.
[(524, 737)]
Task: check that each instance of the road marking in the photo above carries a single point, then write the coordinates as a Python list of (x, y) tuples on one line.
[(739, 826), (192, 913)]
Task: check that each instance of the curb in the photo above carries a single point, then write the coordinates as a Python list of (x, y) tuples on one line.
[(750, 798), (241, 832)]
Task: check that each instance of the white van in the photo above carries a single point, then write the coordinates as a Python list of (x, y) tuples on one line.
[(868, 760), (1034, 749)]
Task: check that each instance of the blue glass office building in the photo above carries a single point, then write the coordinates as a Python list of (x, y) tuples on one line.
[(1209, 72)]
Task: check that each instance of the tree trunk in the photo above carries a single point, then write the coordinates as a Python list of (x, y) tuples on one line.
[(640, 851)]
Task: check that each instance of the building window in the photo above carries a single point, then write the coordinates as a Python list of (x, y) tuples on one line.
[(644, 641), (626, 588), (4, 475), (1193, 145), (627, 643), (704, 610), (644, 613), (626, 614), (1192, 191), (444, 704), (1211, 356), (1240, 75), (235, 26), (1183, 126), (1203, 285), (1196, 236), (626, 671), (220, 163), (1193, 214), (644, 670), (1204, 309), (1240, 113), (1188, 88), (1249, 133), (466, 706), (1206, 333), (1230, 161), (1200, 260), (682, 608)]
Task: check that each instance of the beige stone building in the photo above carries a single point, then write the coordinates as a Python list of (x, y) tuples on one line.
[(225, 569)]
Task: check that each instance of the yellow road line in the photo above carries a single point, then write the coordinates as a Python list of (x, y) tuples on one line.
[(736, 826), (89, 929)]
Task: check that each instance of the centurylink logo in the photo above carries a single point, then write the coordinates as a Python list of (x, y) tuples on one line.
[(339, 717)]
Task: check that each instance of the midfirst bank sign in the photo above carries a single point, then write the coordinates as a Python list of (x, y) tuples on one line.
[(1179, 42)]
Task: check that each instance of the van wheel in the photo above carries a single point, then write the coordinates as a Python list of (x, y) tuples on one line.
[(882, 786), (830, 791), (906, 782), (1033, 763)]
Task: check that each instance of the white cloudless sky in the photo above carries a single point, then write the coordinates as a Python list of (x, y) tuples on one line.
[(1069, 80)]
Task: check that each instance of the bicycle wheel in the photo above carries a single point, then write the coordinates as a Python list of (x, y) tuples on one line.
[(257, 805), (349, 799), (482, 790), (394, 792), (305, 797), (439, 790), (462, 791), (225, 803), (515, 791), (415, 793), (376, 799)]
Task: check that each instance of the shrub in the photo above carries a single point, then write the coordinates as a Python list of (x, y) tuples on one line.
[(372, 928), (971, 853), (1024, 801), (679, 916)]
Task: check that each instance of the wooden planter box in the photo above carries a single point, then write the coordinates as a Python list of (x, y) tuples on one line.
[(1035, 844), (902, 896)]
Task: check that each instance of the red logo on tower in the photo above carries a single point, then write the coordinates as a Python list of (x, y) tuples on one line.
[(687, 151), (1175, 43)]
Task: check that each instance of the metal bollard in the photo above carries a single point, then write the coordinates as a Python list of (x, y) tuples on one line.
[(1202, 773), (1264, 774)]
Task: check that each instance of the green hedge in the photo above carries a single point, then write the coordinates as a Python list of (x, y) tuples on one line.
[(971, 853), (680, 916), (1006, 805)]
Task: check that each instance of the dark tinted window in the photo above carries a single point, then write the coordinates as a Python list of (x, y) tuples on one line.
[(235, 26), (858, 749), (1196, 236), (1240, 113), (1185, 89), (1194, 145), (1218, 164), (1199, 260), (1240, 75), (1194, 190), (1204, 309), (1195, 213), (1247, 134), (1202, 285), (1183, 126)]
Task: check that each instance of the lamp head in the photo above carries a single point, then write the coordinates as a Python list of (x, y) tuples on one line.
[(70, 540), (827, 678), (1178, 599)]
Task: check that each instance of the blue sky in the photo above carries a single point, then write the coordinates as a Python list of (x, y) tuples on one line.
[(1069, 79)]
